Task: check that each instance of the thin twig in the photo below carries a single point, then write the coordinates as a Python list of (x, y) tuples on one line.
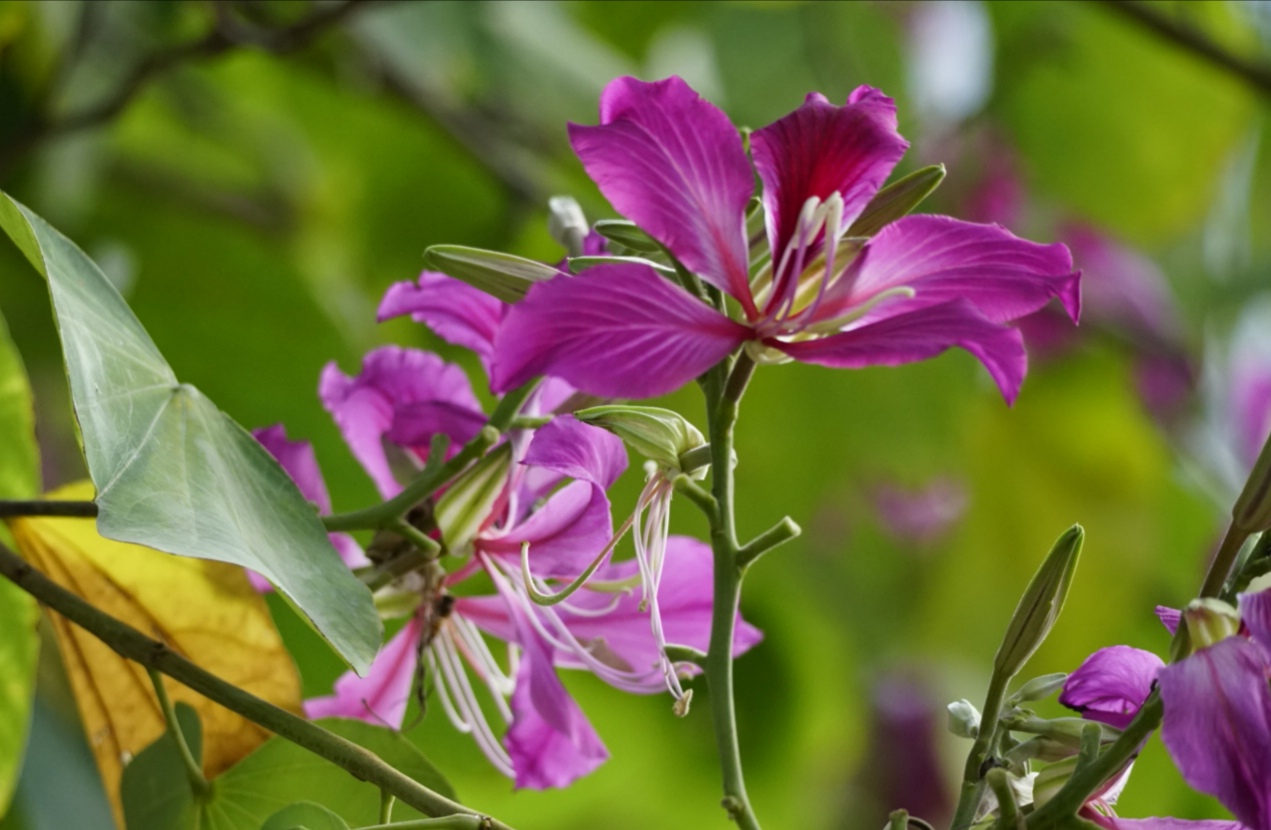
[(1255, 73), (131, 644), (39, 507)]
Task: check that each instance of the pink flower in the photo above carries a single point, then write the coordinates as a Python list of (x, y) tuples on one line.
[(672, 163)]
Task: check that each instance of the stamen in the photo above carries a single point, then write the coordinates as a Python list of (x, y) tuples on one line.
[(541, 598), (838, 323), (466, 697), (443, 693)]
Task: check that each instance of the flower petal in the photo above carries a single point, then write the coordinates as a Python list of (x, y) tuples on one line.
[(550, 741), (455, 311), (617, 331), (1169, 617), (565, 534), (821, 149), (685, 599), (673, 163), (918, 335), (1164, 823), (1255, 613), (578, 450), (1217, 726), (366, 407), (941, 259), (382, 695), (1111, 685)]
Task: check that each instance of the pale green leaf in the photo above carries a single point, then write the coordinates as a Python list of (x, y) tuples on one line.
[(172, 471)]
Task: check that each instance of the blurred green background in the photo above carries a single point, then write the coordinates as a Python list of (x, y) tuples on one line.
[(253, 198)]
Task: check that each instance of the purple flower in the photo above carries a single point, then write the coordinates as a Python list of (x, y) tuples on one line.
[(920, 515), (672, 163), (1217, 723)]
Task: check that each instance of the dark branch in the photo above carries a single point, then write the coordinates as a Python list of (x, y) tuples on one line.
[(72, 509), (1256, 74), (225, 35)]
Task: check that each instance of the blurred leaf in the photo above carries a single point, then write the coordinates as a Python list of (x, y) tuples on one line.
[(19, 479), (173, 471), (275, 778), (305, 816), (205, 611)]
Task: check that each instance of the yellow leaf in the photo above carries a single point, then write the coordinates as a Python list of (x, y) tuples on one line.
[(205, 611)]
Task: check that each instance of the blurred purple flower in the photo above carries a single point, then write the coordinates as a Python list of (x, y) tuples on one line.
[(920, 515), (1111, 685), (674, 164)]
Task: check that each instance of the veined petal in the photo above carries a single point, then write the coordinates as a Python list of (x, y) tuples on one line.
[(1111, 685), (820, 149), (1217, 726), (414, 424), (918, 335), (618, 331), (941, 259), (578, 450), (1169, 617), (565, 534), (550, 741), (366, 407), (454, 310), (685, 600), (673, 163), (1164, 823), (1255, 613), (382, 695)]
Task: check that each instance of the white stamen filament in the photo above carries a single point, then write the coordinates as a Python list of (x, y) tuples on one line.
[(465, 696), (838, 323)]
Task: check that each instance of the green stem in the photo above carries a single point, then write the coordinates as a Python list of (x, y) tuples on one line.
[(426, 545), (444, 823), (386, 807), (972, 777), (899, 820), (1008, 809), (722, 412), (1087, 778), (193, 769), (694, 492), (780, 533), (131, 644), (1221, 566)]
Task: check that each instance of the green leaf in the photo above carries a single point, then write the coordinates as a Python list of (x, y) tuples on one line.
[(19, 479), (305, 816), (172, 471), (277, 776)]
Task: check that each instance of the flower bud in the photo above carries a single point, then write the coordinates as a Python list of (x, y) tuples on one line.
[(468, 501), (897, 200), (1039, 688), (1051, 780), (628, 235), (503, 276), (1040, 606), (964, 719), (566, 223), (1252, 511), (1208, 621), (659, 435)]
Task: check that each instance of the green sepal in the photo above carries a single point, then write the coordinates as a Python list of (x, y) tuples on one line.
[(628, 235), (660, 435), (504, 276), (897, 200), (579, 264), (466, 504)]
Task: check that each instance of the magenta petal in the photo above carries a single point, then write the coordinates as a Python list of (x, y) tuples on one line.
[(821, 149), (1111, 685), (918, 335), (617, 331), (565, 534), (673, 163), (382, 695), (578, 450), (299, 462), (1119, 823), (550, 741), (1255, 613), (1217, 726), (455, 311), (684, 598), (1169, 617), (414, 424), (941, 259), (366, 407)]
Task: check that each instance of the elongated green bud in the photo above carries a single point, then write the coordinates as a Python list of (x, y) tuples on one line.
[(504, 276), (897, 200), (1252, 512), (1040, 606), (463, 508), (566, 223), (660, 435), (628, 235), (579, 264), (1039, 688)]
